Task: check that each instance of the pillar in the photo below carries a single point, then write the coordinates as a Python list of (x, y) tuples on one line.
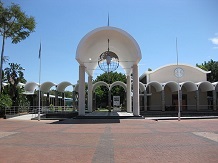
[(94, 102), (109, 100), (180, 96), (163, 100), (214, 99), (197, 100), (90, 93), (47, 100), (81, 90), (56, 98), (145, 100), (63, 101), (128, 95), (74, 100), (135, 91)]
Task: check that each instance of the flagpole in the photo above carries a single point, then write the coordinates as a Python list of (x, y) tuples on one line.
[(108, 20), (39, 81), (179, 114)]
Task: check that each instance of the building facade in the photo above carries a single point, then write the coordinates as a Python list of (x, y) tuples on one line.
[(159, 89)]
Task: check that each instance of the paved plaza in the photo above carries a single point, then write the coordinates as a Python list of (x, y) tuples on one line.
[(109, 140)]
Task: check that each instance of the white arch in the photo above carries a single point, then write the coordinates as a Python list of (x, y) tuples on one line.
[(189, 85), (186, 65), (63, 85), (95, 42), (141, 87), (122, 84), (100, 83), (205, 86), (172, 85), (156, 85), (30, 87), (46, 86)]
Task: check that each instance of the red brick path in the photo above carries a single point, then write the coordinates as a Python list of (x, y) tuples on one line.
[(108, 141)]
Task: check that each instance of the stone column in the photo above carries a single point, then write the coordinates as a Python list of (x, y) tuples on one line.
[(163, 100), (197, 100), (109, 100), (128, 95), (135, 91), (180, 96), (63, 101), (47, 100), (145, 100), (94, 102), (214, 99), (90, 93), (56, 98), (74, 100), (81, 90)]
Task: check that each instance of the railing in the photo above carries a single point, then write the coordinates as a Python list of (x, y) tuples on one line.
[(18, 110), (182, 107)]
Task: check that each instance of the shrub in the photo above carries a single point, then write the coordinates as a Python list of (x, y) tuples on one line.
[(5, 101)]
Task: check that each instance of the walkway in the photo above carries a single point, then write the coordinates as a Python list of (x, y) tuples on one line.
[(109, 141), (25, 117)]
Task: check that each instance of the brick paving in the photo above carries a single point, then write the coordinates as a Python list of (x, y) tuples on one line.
[(108, 141)]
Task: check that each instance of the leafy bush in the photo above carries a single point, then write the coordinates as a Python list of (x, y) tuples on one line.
[(5, 101)]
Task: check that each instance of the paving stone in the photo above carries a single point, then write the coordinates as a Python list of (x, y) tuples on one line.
[(108, 141)]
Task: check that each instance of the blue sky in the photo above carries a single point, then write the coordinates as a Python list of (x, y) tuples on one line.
[(154, 24)]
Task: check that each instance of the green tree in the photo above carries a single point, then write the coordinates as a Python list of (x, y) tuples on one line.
[(68, 94), (102, 92), (14, 75), (14, 24), (210, 66), (5, 101)]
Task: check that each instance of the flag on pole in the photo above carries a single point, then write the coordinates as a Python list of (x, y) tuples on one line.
[(39, 81), (40, 51)]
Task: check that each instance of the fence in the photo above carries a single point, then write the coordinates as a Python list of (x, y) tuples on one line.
[(21, 110), (182, 108)]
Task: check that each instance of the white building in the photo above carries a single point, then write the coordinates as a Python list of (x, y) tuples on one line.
[(160, 89)]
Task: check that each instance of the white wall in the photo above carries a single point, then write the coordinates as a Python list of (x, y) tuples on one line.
[(166, 74)]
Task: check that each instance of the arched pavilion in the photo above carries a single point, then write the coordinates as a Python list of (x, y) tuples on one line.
[(127, 49)]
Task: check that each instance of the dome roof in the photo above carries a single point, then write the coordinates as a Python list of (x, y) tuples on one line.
[(93, 44)]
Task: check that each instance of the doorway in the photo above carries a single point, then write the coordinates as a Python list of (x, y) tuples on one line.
[(183, 104)]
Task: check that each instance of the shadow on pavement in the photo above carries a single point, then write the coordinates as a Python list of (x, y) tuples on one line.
[(86, 121)]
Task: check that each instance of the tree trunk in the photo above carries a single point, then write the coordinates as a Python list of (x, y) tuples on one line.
[(1, 63)]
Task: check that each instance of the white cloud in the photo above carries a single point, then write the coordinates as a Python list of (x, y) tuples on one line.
[(214, 40)]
